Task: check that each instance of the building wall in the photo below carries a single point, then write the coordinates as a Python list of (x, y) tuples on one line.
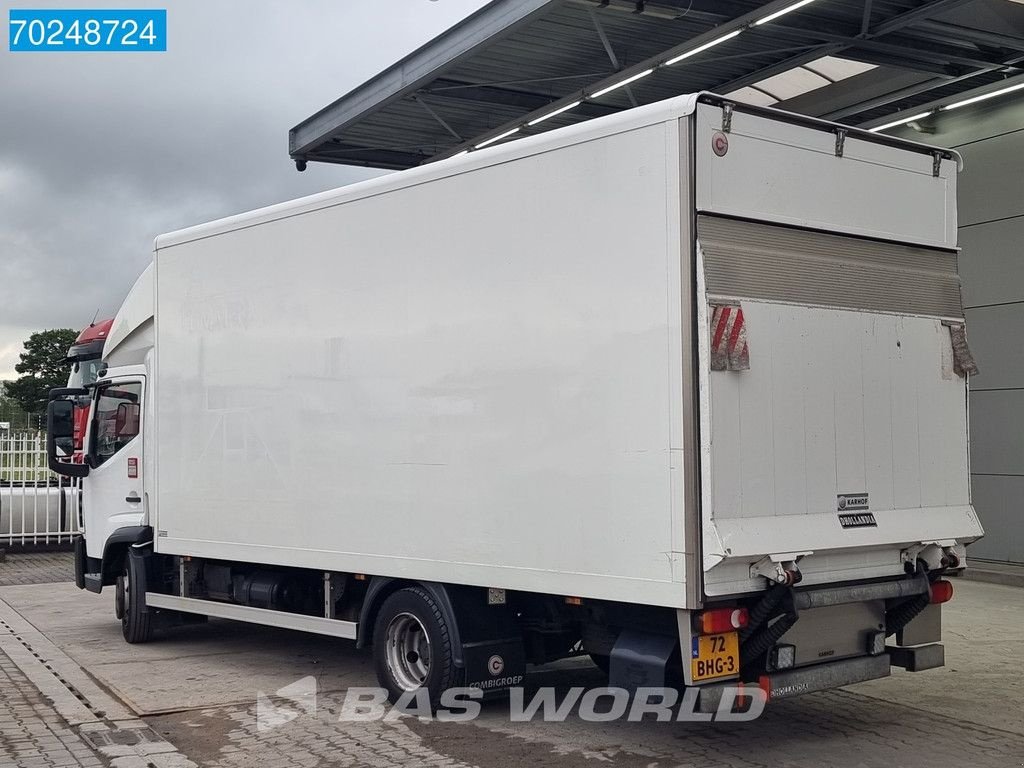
[(991, 219)]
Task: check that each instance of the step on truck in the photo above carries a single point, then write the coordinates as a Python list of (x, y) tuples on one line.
[(682, 388)]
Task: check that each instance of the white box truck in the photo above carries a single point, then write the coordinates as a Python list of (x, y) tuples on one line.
[(683, 389)]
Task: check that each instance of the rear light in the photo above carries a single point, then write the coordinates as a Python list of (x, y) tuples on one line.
[(719, 620), (941, 592)]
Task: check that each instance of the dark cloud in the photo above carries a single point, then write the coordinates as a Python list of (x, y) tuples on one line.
[(99, 153)]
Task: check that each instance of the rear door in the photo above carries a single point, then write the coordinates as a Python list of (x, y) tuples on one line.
[(836, 426)]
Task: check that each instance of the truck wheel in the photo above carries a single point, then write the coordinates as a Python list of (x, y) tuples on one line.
[(136, 624), (412, 645), (119, 596)]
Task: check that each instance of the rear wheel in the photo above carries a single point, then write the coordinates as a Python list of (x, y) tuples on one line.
[(130, 601), (412, 646)]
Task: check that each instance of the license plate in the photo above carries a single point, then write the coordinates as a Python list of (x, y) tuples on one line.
[(715, 656)]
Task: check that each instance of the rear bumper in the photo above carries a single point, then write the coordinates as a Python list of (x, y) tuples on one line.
[(820, 677)]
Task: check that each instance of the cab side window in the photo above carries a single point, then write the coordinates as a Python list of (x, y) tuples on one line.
[(116, 419)]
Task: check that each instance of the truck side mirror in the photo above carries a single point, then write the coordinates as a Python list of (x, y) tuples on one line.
[(60, 433)]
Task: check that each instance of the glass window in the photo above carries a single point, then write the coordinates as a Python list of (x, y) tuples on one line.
[(116, 419), (85, 372)]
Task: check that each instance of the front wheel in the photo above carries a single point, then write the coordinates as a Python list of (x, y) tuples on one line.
[(130, 601), (412, 645)]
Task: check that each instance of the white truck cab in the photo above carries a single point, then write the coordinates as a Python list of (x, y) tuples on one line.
[(114, 501)]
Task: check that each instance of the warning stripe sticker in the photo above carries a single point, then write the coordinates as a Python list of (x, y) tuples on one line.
[(729, 339)]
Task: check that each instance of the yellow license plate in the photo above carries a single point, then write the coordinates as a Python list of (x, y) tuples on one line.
[(715, 656)]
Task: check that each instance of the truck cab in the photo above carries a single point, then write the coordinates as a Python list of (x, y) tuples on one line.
[(106, 397), (85, 358)]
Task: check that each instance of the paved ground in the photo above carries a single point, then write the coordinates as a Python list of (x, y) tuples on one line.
[(193, 699), (841, 728), (996, 573), (31, 731), (36, 568)]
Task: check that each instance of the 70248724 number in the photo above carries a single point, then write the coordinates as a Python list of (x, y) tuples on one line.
[(87, 30)]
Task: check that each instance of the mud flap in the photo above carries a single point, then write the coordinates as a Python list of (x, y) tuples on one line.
[(641, 660), (494, 665), (80, 561), (490, 641), (142, 562)]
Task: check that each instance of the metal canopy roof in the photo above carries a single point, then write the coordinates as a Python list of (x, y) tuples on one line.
[(514, 61)]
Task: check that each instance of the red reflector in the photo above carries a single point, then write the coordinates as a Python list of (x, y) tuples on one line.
[(729, 350), (719, 620), (941, 592), (765, 684)]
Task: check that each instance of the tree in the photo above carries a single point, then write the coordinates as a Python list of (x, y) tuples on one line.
[(14, 414), (43, 368)]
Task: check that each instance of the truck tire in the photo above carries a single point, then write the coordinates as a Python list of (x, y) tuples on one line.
[(136, 624), (119, 595), (412, 646)]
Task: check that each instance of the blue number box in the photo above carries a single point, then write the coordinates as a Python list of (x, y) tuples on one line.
[(79, 29)]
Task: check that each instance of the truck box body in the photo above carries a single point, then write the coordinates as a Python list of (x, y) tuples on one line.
[(497, 370)]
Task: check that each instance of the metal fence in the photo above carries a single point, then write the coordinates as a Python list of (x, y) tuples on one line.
[(37, 506)]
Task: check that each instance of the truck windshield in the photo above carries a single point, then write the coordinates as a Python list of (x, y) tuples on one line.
[(84, 372)]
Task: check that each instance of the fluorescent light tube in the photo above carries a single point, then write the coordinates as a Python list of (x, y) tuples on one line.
[(558, 111), (493, 139), (621, 83), (901, 121), (984, 96), (699, 48), (783, 12)]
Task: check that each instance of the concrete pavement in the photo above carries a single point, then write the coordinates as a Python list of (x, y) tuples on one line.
[(1008, 574)]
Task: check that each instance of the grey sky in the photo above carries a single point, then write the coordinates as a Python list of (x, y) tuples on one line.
[(99, 153)]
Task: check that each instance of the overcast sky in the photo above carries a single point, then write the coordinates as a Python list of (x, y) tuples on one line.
[(101, 152)]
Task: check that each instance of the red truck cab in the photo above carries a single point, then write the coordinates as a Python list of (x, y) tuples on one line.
[(84, 355)]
